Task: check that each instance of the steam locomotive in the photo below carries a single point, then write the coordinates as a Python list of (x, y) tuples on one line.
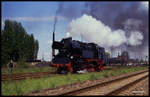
[(75, 56)]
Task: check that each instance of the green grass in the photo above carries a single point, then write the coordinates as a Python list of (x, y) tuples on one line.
[(26, 70), (28, 85)]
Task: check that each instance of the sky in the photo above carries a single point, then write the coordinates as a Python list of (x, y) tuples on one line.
[(38, 18)]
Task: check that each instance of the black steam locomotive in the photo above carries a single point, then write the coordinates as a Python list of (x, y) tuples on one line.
[(74, 56)]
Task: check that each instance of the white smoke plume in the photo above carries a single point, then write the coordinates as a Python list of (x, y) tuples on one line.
[(95, 31), (67, 34), (135, 38), (132, 24)]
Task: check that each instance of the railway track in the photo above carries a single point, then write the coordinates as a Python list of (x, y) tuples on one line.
[(22, 76), (123, 88), (111, 87)]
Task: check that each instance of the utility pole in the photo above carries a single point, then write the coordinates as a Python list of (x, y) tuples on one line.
[(135, 52), (81, 38), (111, 49), (43, 57), (146, 60)]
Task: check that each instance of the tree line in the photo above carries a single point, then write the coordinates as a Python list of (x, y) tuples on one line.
[(16, 43)]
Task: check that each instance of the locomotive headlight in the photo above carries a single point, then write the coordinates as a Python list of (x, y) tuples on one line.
[(71, 57)]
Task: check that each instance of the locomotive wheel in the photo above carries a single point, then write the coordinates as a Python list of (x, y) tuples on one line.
[(58, 70), (96, 66), (61, 71), (74, 69), (64, 71)]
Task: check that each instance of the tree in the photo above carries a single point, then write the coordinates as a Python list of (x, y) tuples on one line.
[(107, 54), (16, 43), (36, 49), (7, 41)]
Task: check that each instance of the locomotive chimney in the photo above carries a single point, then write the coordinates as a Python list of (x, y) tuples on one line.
[(53, 51)]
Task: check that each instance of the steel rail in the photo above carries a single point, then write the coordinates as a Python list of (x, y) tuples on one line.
[(24, 76), (123, 88), (99, 84)]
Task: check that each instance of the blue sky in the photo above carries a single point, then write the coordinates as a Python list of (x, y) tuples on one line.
[(37, 18)]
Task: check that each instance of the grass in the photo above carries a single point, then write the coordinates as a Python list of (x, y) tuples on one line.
[(28, 85), (26, 70)]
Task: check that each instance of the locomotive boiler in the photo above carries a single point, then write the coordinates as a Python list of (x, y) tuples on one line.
[(74, 56)]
